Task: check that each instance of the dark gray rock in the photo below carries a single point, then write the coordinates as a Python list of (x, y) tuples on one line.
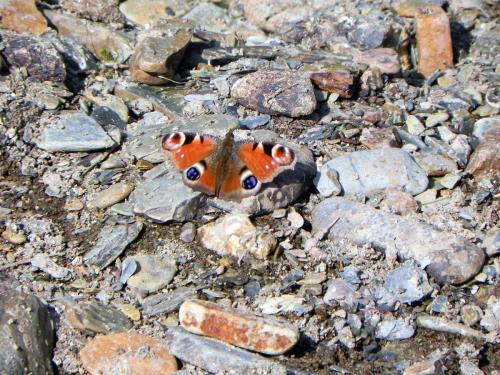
[(26, 334), (368, 172), (167, 302), (218, 357), (75, 132), (254, 121), (276, 93), (111, 242), (448, 258)]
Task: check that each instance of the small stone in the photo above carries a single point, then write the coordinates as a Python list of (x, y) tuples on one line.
[(22, 16), (394, 329), (16, 238), (276, 93), (131, 311), (440, 304), (471, 314), (433, 40), (427, 367), (341, 292), (428, 196), (296, 220), (47, 265), (445, 325), (95, 317), (485, 160), (286, 303), (255, 121), (147, 12), (165, 303), (384, 59), (235, 235), (188, 232), (414, 125), (491, 243), (435, 165), (38, 56), (127, 353), (450, 180), (217, 357), (111, 242), (105, 11), (436, 119), (398, 202), (247, 331), (74, 205), (346, 338), (154, 273), (374, 138), (108, 197), (410, 8), (129, 266), (340, 82), (75, 132), (408, 283)]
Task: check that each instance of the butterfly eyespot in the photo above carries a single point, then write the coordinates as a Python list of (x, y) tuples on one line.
[(249, 182), (283, 155), (173, 141), (194, 172)]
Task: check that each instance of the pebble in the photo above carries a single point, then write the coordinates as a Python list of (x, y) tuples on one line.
[(368, 172), (339, 82), (16, 238), (105, 11), (394, 329), (414, 125), (154, 273), (433, 40), (286, 303), (147, 12), (127, 353), (22, 16), (491, 243), (436, 119), (108, 197), (296, 220), (445, 325), (384, 59), (408, 283), (440, 304), (374, 138), (167, 302), (75, 132), (485, 160), (28, 334), (253, 122), (129, 267), (435, 165), (38, 56), (188, 232), (448, 258), (233, 327), (49, 266), (398, 202), (235, 235), (430, 366), (341, 292), (129, 310), (427, 197), (276, 93), (471, 314), (95, 317), (111, 242), (218, 357)]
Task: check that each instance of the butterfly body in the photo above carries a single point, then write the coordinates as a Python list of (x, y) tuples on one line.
[(226, 168)]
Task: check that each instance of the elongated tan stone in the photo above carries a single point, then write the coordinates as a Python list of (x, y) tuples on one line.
[(114, 194), (433, 40), (266, 336)]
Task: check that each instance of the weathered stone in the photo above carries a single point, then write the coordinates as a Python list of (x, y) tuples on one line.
[(16, 238), (218, 357), (286, 303), (342, 293), (75, 132), (40, 58), (167, 302), (111, 242), (154, 273), (384, 59), (127, 353), (340, 82), (446, 257), (209, 17), (433, 40), (485, 160), (367, 172), (107, 45), (95, 317), (276, 93), (394, 329), (22, 16), (435, 165), (374, 138), (408, 283), (108, 197), (247, 331), (105, 11), (26, 334), (235, 235), (410, 8), (398, 202), (49, 266), (147, 12), (159, 51)]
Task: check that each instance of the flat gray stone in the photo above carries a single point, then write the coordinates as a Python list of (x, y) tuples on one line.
[(218, 357), (447, 257), (153, 274), (341, 292), (26, 334), (408, 283), (167, 302), (112, 241), (75, 132), (394, 329), (368, 172)]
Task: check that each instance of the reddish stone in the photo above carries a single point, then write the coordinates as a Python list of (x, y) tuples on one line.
[(485, 160), (243, 330), (22, 16), (385, 59), (340, 82), (398, 202), (127, 353), (378, 138), (433, 40)]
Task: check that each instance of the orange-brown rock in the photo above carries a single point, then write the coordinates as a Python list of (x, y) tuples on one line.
[(22, 16), (433, 40), (378, 138), (247, 331), (340, 82), (127, 353), (385, 59), (485, 160)]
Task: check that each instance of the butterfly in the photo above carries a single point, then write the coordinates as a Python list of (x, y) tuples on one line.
[(223, 167)]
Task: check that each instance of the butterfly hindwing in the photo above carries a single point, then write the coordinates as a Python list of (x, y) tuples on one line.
[(187, 149)]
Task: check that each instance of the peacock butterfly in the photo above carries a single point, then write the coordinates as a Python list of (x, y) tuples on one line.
[(226, 168)]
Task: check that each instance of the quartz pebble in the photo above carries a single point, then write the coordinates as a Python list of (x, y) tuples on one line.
[(247, 331)]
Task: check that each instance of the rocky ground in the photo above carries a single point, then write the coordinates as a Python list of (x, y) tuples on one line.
[(376, 254)]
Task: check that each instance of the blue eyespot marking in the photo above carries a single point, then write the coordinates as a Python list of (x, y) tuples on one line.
[(250, 182), (193, 174)]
